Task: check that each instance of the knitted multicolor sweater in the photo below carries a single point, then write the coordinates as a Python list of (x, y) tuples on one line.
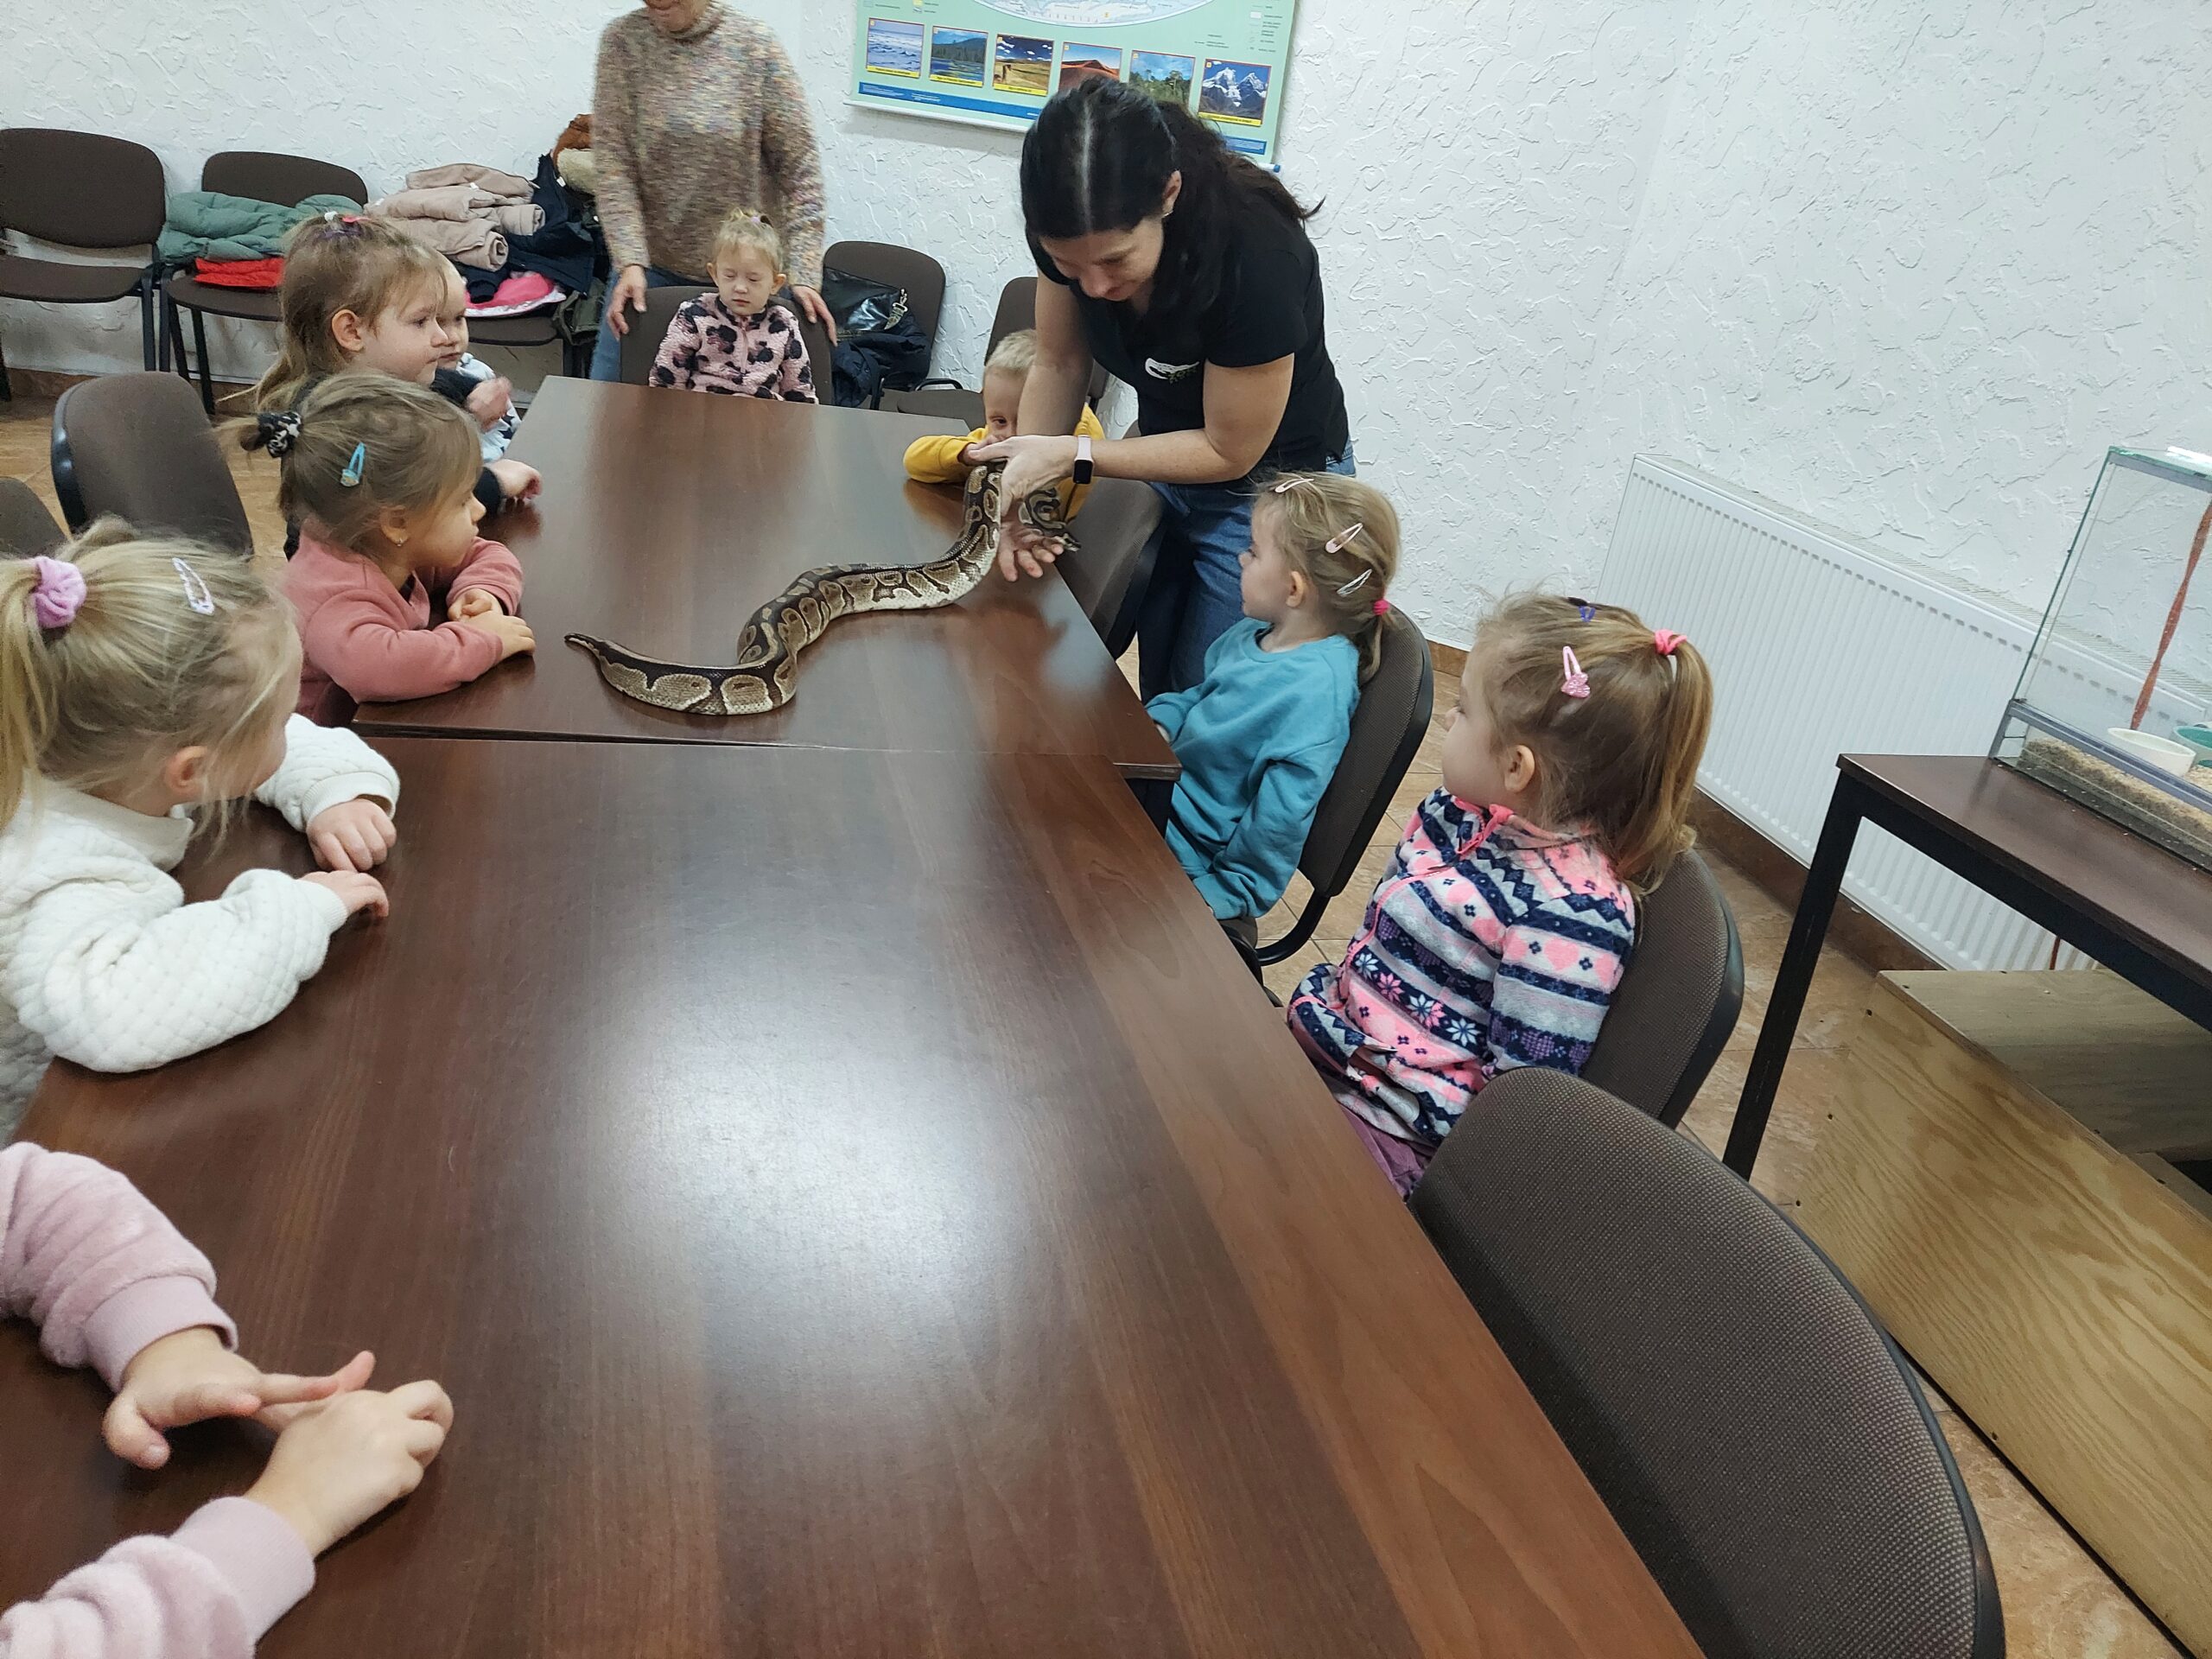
[(1489, 944), (686, 128)]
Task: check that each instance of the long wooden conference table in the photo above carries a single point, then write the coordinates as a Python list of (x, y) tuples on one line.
[(665, 522), (861, 1205)]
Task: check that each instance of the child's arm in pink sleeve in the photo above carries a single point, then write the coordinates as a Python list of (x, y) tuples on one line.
[(210, 1590), (99, 1269), (492, 567), (356, 644)]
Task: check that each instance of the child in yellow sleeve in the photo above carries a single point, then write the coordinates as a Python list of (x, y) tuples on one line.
[(946, 460)]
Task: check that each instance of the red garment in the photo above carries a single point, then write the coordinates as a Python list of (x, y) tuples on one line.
[(239, 273)]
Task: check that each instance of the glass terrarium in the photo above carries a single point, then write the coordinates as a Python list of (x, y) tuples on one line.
[(2115, 708)]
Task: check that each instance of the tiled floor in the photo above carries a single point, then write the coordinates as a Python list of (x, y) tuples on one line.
[(2059, 1602)]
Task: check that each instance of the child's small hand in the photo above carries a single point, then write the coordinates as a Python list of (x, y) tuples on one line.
[(474, 601), (511, 632), (518, 480), (188, 1376), (356, 891), (354, 835), (338, 1464), (488, 402)]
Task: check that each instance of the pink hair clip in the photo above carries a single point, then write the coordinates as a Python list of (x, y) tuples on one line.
[(1343, 539), (1666, 639), (58, 593), (1577, 684)]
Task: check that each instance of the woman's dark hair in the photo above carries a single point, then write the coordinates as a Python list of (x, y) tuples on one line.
[(1099, 158)]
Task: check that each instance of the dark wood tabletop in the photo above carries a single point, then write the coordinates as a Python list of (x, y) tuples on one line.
[(860, 1206), (2160, 903), (668, 517)]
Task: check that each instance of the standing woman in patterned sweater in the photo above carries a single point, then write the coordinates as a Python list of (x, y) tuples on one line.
[(697, 107), (1498, 935)]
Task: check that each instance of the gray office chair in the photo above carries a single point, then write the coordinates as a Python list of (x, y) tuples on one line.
[(1679, 1000), (650, 327), (25, 527), (1113, 529), (1759, 1438), (1386, 728), (82, 190), (949, 399), (139, 446)]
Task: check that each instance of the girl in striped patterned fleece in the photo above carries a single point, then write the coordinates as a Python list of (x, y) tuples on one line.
[(1499, 935)]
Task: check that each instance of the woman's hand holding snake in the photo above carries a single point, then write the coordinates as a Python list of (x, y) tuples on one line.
[(1032, 464)]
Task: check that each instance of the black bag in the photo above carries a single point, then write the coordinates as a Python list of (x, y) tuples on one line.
[(879, 347)]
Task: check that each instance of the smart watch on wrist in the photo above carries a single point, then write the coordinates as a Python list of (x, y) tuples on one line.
[(1083, 467)]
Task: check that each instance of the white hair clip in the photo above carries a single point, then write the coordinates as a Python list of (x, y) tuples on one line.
[(1343, 539), (1354, 584), (195, 590), (1291, 483)]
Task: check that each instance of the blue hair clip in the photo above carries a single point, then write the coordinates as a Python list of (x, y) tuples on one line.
[(1586, 611), (354, 463)]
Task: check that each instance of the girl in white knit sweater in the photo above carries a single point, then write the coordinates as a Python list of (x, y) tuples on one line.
[(142, 681)]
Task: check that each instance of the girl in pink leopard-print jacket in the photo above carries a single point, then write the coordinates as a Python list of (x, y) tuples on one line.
[(1499, 934), (738, 340)]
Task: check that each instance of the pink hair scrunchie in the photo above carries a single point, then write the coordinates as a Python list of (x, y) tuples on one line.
[(58, 593)]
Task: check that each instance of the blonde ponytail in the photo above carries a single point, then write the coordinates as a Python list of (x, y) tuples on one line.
[(1344, 536), (173, 645)]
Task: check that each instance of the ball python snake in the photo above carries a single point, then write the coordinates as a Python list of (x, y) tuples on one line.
[(766, 675)]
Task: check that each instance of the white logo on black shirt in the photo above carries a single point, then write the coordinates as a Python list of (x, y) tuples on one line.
[(1170, 372)]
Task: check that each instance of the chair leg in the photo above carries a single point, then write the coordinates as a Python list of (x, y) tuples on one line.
[(207, 369), (146, 322), (7, 392)]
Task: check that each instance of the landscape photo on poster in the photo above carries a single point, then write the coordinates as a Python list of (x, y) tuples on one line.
[(894, 48), (1023, 64), (1095, 13), (1165, 75), (1079, 62), (1234, 91), (956, 55)]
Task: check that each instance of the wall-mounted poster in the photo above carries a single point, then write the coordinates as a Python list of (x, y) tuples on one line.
[(994, 62)]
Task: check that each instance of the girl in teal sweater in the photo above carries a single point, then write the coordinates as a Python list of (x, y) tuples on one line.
[(1260, 736)]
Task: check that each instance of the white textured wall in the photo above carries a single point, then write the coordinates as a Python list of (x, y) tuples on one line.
[(1906, 266)]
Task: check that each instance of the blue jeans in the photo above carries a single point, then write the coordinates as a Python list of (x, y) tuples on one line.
[(607, 352), (1198, 585)]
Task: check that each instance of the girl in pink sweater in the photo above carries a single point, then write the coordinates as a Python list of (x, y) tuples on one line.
[(112, 1284), (380, 476)]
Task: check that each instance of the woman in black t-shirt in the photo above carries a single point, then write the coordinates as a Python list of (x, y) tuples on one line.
[(1187, 272)]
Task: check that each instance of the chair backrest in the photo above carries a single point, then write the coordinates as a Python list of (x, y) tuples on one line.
[(650, 327), (139, 446), (1018, 311), (25, 527), (1757, 1436), (80, 188), (269, 175), (1112, 532), (1678, 1000), (908, 268), (1386, 728)]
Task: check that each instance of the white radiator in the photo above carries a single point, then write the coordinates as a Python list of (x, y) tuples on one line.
[(1820, 646)]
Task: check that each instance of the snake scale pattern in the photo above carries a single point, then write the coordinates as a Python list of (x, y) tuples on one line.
[(766, 675)]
